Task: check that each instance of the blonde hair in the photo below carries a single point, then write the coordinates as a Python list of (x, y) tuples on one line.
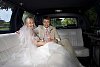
[(30, 17)]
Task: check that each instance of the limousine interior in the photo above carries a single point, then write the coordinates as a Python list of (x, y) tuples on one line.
[(78, 21)]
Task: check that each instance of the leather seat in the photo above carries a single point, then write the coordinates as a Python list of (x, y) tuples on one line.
[(76, 41)]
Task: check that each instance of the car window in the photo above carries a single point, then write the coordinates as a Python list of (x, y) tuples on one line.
[(64, 22), (5, 16), (92, 16)]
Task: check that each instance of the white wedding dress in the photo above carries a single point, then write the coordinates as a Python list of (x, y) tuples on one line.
[(49, 55)]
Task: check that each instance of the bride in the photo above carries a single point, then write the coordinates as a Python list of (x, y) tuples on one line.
[(32, 52)]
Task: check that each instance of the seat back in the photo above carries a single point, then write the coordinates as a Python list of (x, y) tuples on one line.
[(73, 35), (8, 41), (8, 46)]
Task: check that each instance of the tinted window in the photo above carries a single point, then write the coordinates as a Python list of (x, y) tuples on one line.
[(92, 16)]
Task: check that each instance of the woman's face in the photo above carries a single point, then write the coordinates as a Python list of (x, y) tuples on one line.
[(29, 22)]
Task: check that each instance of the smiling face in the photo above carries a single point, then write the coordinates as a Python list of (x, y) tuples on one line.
[(46, 23), (29, 22)]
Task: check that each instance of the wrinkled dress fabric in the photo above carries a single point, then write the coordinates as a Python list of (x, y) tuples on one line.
[(49, 55)]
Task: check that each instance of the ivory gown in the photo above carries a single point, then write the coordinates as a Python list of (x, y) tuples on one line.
[(49, 55)]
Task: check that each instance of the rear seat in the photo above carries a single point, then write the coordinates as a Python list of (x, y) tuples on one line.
[(8, 46), (75, 38), (9, 43)]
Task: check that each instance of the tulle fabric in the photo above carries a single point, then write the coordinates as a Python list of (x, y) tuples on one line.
[(49, 55)]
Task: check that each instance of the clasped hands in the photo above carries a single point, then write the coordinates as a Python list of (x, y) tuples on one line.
[(42, 42)]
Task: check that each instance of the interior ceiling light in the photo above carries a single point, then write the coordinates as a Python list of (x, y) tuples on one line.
[(58, 10), (21, 4), (37, 13)]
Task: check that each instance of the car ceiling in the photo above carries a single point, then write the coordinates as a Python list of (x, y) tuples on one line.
[(40, 6)]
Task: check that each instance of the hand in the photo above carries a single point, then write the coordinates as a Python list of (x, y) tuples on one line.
[(17, 32), (39, 43), (50, 38)]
